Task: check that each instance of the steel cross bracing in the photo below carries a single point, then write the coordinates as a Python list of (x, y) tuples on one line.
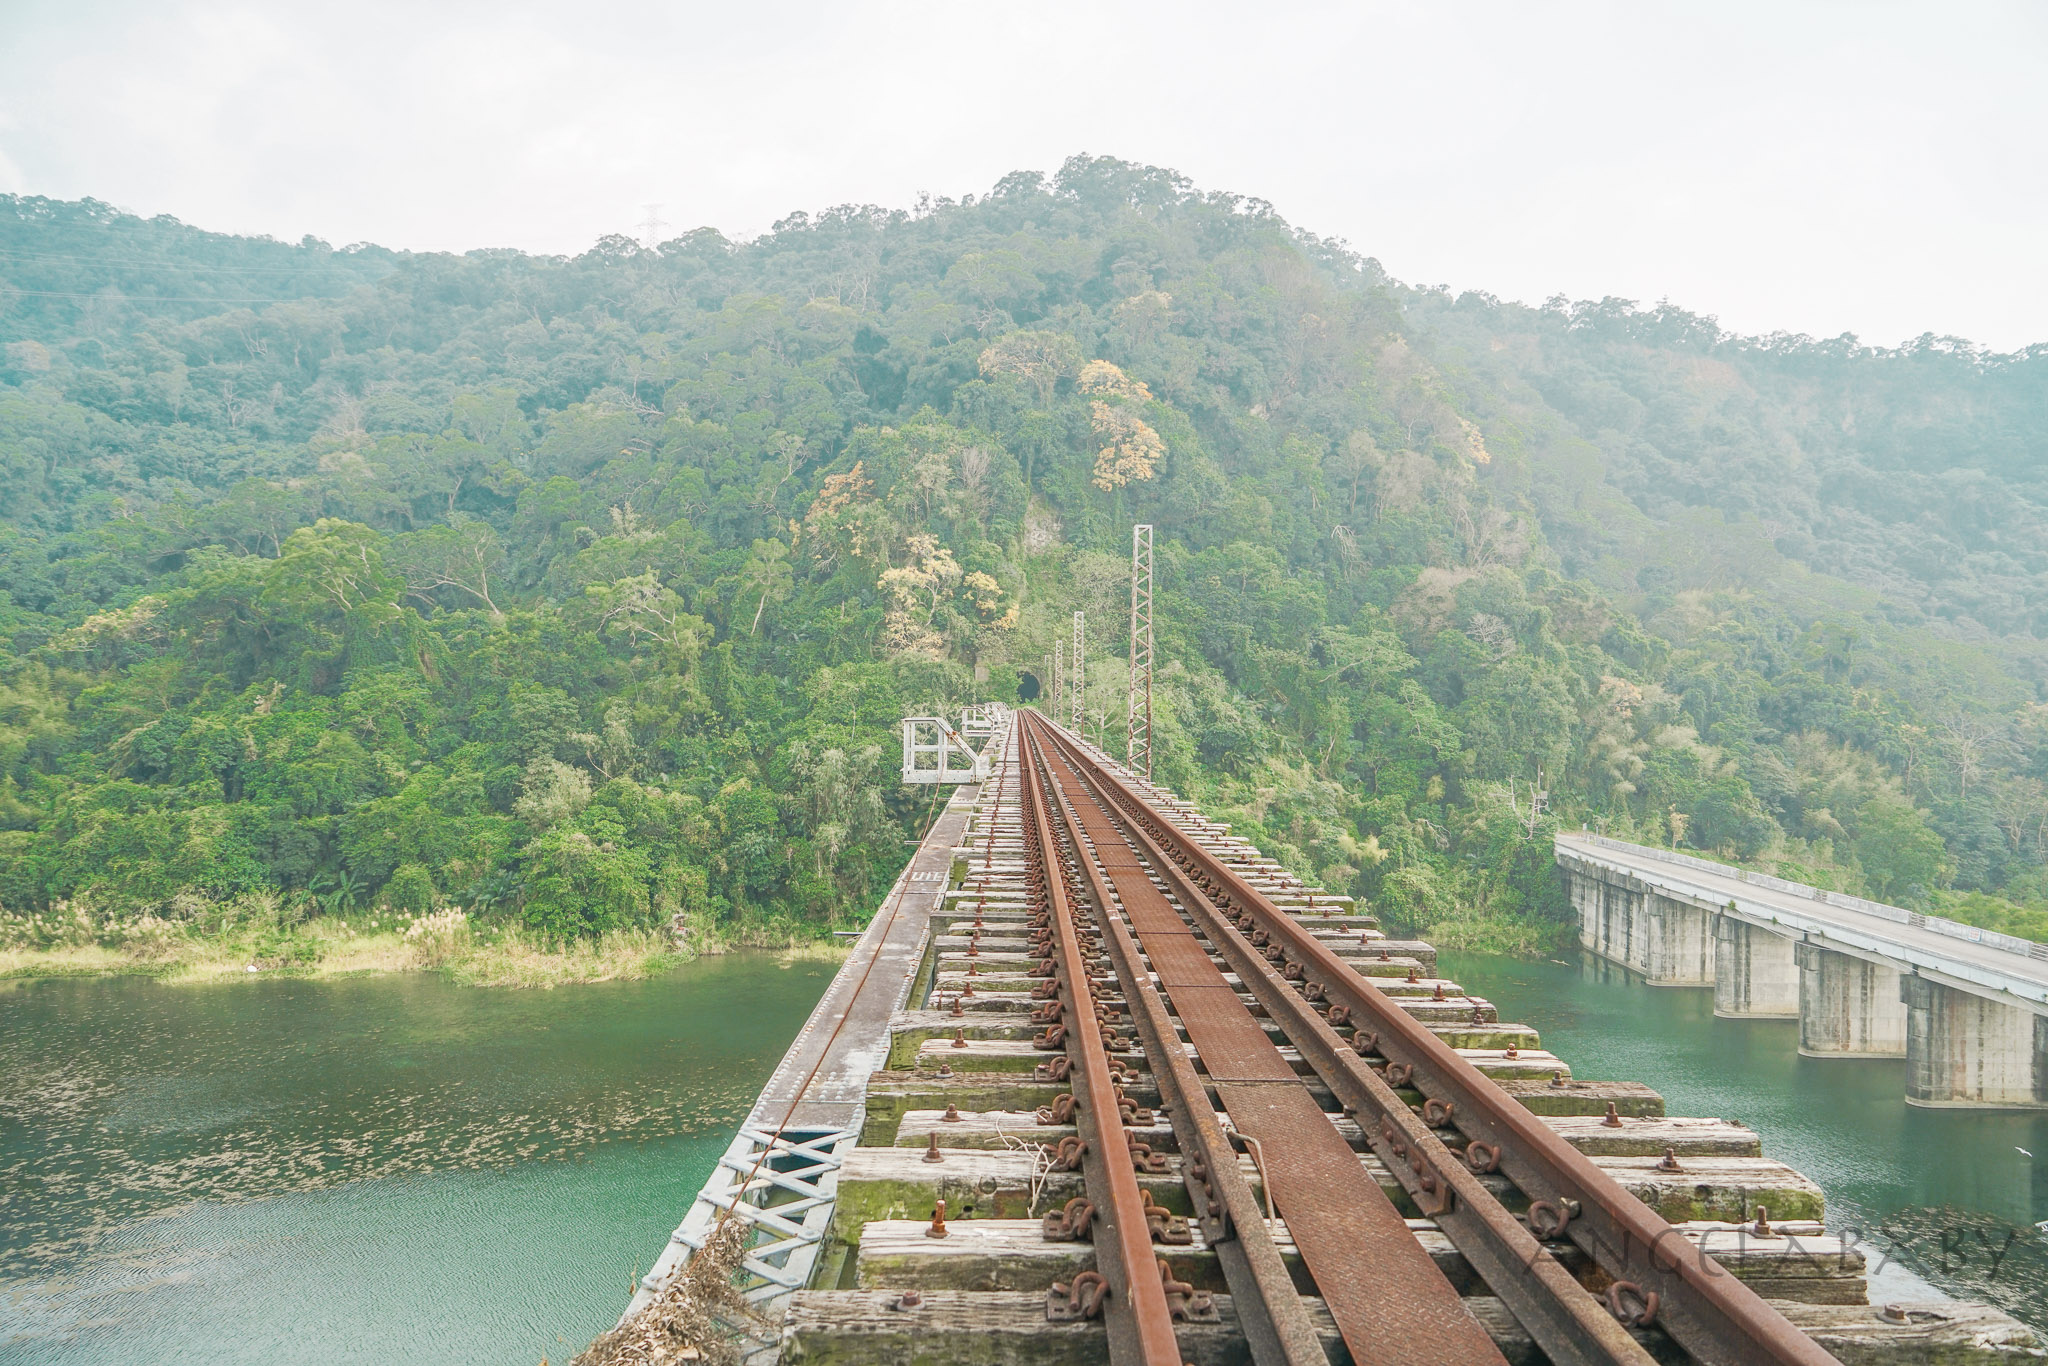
[(1138, 726), (1059, 675), (1309, 994)]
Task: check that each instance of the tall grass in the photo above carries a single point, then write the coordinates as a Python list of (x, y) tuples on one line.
[(249, 942), (520, 959)]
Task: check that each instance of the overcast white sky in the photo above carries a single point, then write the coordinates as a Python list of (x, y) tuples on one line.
[(1818, 167)]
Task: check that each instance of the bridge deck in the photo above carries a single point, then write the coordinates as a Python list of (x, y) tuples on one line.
[(822, 1081)]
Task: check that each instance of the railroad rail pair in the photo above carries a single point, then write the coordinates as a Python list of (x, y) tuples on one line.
[(1128, 918)]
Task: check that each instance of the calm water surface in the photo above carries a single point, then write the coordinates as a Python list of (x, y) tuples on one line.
[(1953, 1195), (397, 1169), (391, 1169)]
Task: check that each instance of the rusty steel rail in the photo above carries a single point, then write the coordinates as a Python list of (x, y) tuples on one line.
[(1572, 1326), (1133, 1302), (1270, 1313), (1656, 1276), (1391, 1304)]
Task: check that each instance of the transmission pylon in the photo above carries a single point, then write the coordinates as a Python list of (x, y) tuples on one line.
[(1059, 677), (1138, 735), (651, 226), (1078, 664)]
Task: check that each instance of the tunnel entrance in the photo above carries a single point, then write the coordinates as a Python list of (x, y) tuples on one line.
[(1027, 686)]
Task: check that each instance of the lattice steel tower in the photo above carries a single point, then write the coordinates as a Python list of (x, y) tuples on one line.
[(1138, 735), (1059, 677), (1079, 717)]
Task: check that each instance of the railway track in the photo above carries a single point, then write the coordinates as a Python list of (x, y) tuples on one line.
[(1178, 924), (1143, 1098)]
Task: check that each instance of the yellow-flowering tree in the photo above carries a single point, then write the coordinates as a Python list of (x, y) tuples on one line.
[(1131, 450)]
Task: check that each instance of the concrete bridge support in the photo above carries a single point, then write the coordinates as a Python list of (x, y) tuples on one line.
[(1848, 1007), (1966, 1050), (1755, 975), (1671, 943)]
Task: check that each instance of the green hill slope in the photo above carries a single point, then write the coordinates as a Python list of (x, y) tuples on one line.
[(586, 592)]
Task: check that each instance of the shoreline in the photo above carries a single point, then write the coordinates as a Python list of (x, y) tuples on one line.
[(504, 958)]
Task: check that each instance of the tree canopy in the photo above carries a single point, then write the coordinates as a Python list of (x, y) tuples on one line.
[(587, 591)]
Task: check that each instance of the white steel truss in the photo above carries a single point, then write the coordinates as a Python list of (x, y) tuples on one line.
[(1138, 735), (933, 752), (1059, 677), (784, 1186)]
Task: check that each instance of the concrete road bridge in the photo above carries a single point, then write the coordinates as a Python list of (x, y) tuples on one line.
[(1966, 1008)]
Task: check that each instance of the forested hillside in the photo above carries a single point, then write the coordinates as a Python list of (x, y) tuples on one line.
[(586, 592)]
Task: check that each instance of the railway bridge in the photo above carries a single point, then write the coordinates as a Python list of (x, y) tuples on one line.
[(1966, 1008), (1102, 1083)]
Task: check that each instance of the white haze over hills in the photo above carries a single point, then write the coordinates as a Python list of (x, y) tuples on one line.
[(1819, 168)]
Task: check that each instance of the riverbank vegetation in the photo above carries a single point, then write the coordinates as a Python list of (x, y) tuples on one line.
[(247, 938), (583, 594)]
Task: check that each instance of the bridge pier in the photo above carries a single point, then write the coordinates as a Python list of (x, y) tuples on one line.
[(1849, 1007), (1755, 975), (1671, 943), (1969, 1051)]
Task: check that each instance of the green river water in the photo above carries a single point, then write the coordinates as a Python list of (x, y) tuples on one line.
[(397, 1169), (379, 1170), (1952, 1196)]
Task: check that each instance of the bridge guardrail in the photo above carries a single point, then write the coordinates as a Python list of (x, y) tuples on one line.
[(1898, 915)]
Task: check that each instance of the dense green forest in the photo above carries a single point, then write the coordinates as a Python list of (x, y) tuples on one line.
[(585, 592)]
